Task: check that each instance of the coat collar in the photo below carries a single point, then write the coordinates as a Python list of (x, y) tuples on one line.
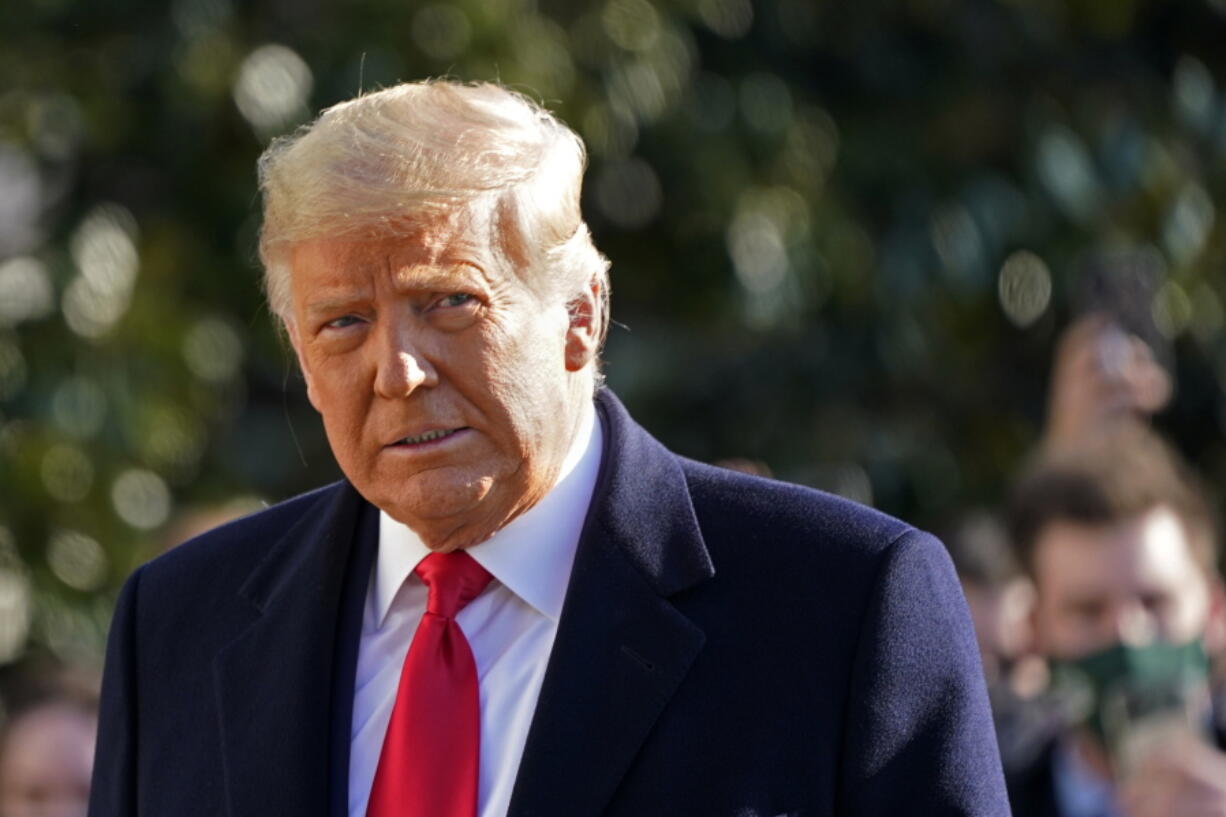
[(622, 648), (642, 508), (275, 681)]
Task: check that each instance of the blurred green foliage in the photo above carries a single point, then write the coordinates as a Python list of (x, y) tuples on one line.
[(844, 235)]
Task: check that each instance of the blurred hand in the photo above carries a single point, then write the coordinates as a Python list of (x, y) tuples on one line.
[(1101, 375), (1185, 777)]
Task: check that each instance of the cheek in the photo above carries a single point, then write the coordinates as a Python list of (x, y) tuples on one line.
[(1190, 614), (524, 374), (341, 398), (523, 412), (1060, 633)]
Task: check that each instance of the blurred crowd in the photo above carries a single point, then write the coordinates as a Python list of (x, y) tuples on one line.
[(1098, 601), (1094, 588), (47, 741)]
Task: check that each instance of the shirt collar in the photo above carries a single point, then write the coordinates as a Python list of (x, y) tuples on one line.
[(532, 556)]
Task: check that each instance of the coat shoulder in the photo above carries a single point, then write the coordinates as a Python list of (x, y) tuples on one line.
[(226, 554), (789, 515)]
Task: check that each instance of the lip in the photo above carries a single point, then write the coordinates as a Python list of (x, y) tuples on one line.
[(452, 433)]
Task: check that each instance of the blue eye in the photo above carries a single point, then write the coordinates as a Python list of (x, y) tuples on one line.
[(455, 299), (342, 322)]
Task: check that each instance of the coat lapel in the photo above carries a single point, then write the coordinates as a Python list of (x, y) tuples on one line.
[(622, 648), (274, 682)]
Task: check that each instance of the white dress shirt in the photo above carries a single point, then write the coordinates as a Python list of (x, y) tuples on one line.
[(511, 626)]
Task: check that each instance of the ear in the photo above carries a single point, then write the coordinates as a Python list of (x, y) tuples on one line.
[(583, 334), (291, 330)]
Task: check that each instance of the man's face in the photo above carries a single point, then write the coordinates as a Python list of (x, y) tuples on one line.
[(449, 389), (45, 763), (1001, 616), (1132, 582)]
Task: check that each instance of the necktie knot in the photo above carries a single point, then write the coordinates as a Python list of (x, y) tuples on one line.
[(454, 579)]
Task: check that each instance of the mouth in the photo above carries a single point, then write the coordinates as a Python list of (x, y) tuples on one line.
[(432, 436)]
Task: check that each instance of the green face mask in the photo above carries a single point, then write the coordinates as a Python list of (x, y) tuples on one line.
[(1119, 686)]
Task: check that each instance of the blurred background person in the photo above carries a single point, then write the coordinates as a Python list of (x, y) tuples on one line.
[(1121, 546), (999, 593), (1114, 363), (47, 749), (1001, 600), (1102, 376)]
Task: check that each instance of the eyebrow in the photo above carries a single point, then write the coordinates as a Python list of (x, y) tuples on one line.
[(439, 277), (332, 303)]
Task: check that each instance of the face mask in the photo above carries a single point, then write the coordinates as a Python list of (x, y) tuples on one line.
[(1112, 690)]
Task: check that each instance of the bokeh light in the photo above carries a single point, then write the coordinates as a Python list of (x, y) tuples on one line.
[(610, 130), (77, 560), (1066, 170), (1194, 94), (141, 498), (104, 251), (635, 86), (21, 200), (14, 598), (1024, 288), (958, 244), (73, 634), (25, 291), (1188, 224), (770, 222), (213, 350), (272, 87), (171, 439), (759, 254), (632, 24)]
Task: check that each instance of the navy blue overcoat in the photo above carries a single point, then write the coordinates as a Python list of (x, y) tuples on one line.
[(729, 647)]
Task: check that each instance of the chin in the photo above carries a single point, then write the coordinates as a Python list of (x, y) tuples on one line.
[(435, 505), (434, 497)]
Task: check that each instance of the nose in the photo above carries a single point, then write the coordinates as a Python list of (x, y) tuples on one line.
[(402, 367), (1134, 625)]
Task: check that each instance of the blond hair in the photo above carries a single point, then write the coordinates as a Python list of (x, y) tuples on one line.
[(385, 163)]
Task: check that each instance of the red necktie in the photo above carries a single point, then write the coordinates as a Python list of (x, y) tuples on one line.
[(428, 767)]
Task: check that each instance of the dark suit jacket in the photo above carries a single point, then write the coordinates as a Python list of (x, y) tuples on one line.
[(728, 646)]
